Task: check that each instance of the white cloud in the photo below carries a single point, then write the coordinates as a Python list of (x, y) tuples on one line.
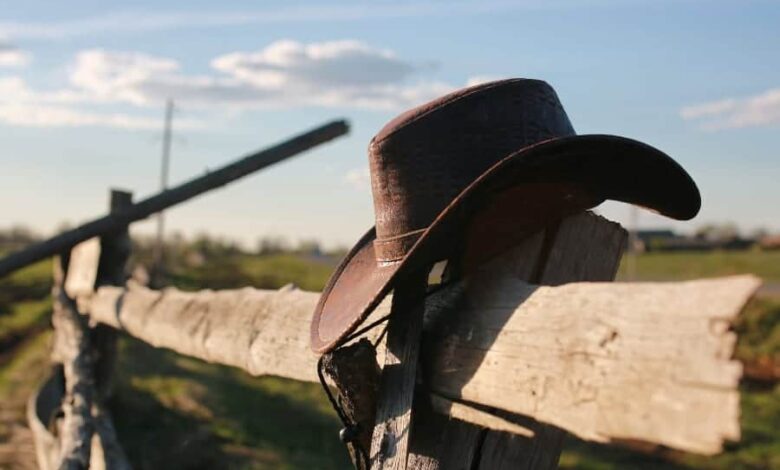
[(283, 74), (736, 113), (116, 76), (333, 64), (22, 114), (10, 56), (22, 106), (359, 178), (336, 74)]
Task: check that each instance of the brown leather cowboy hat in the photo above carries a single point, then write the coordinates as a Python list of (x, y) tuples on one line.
[(487, 163)]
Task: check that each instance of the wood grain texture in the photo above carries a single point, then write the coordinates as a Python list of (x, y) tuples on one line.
[(471, 414), (115, 247), (71, 349), (648, 361), (85, 255), (581, 247), (86, 437), (461, 441), (41, 406), (105, 452), (578, 356), (393, 427), (110, 270), (354, 371), (261, 331)]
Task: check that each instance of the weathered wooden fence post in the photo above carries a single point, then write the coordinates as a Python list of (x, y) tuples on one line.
[(389, 443), (115, 250), (85, 436), (499, 356), (71, 349), (581, 248)]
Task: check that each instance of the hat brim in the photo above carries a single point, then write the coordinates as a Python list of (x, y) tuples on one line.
[(520, 194)]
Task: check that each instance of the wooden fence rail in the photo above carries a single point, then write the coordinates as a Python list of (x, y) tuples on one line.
[(220, 177), (604, 361), (73, 400), (512, 356)]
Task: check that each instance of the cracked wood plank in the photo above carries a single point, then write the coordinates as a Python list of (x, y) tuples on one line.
[(87, 438), (666, 376), (584, 247), (260, 331), (393, 427), (580, 357), (71, 348)]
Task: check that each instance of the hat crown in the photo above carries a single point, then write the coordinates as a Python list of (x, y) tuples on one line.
[(424, 158)]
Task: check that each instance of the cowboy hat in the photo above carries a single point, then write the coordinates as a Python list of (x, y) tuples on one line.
[(491, 163)]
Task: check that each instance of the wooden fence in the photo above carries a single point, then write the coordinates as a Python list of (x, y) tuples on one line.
[(487, 372)]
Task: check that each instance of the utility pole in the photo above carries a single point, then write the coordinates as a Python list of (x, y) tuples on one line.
[(159, 255)]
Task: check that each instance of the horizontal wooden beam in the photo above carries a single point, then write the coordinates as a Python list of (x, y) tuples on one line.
[(264, 332), (604, 361), (158, 202)]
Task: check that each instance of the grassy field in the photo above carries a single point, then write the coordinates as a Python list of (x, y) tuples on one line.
[(172, 411), (176, 412), (267, 272), (676, 266)]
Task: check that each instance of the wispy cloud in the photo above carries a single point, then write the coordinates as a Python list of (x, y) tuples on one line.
[(758, 110), (22, 106), (284, 74), (140, 22), (11, 56), (25, 114), (332, 74)]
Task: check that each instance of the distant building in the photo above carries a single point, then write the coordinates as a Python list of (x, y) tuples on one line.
[(771, 242), (667, 240)]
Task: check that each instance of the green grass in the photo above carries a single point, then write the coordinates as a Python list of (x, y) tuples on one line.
[(35, 274), (24, 316), (759, 330), (691, 265), (173, 411), (262, 272), (278, 270), (759, 448), (25, 369), (30, 283), (176, 412), (759, 335)]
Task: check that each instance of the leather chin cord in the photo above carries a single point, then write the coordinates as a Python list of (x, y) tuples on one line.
[(350, 431)]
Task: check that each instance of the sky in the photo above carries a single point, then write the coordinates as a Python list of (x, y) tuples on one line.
[(83, 86)]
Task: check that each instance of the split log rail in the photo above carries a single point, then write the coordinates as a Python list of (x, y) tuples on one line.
[(486, 372)]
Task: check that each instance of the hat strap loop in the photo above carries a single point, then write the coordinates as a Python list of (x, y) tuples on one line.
[(395, 248)]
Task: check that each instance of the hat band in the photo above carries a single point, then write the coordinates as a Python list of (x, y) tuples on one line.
[(395, 248)]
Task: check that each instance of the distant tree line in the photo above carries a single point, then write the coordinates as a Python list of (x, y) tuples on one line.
[(17, 237), (200, 261), (725, 236)]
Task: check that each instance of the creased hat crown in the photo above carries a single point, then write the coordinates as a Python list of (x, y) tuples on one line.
[(424, 158)]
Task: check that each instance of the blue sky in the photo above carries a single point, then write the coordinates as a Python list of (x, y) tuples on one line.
[(83, 85)]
